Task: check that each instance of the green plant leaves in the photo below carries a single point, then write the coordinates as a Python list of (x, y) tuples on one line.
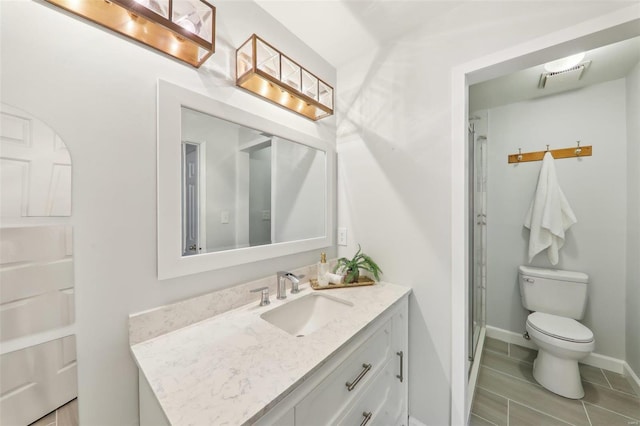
[(359, 261)]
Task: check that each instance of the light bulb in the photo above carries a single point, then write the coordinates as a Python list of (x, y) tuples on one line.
[(187, 25)]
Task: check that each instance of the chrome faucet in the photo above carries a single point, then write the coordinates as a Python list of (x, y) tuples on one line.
[(282, 287)]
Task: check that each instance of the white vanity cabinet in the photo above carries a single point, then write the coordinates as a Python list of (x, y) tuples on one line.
[(238, 368), (363, 383)]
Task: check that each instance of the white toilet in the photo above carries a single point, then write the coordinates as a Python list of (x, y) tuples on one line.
[(557, 299)]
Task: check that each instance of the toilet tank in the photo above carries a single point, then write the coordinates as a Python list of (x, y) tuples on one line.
[(553, 291)]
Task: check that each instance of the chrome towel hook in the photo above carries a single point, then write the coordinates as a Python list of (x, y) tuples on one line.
[(578, 149), (519, 154)]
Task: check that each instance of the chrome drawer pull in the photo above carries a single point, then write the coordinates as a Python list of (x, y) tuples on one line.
[(367, 417), (401, 375), (365, 368)]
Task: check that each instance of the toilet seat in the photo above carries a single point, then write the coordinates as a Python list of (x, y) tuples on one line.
[(562, 328)]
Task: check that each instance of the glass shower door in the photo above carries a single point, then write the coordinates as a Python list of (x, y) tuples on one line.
[(478, 221)]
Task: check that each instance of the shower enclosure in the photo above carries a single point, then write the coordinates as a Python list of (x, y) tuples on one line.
[(477, 231)]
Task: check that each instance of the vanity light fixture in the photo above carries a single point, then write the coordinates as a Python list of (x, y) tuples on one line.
[(263, 70), (184, 29)]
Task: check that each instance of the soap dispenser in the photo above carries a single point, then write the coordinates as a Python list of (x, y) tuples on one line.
[(323, 270)]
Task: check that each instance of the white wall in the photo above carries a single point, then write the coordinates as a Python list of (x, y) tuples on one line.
[(594, 186), (222, 194), (633, 220), (394, 164), (219, 143), (98, 91), (299, 191), (260, 187)]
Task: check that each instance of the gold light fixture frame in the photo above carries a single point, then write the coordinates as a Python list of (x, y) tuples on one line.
[(132, 19), (282, 80)]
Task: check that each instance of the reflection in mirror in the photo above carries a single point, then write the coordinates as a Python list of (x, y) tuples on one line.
[(243, 187), (235, 187), (37, 309)]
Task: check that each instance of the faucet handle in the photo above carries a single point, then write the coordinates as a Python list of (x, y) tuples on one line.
[(264, 300), (294, 284)]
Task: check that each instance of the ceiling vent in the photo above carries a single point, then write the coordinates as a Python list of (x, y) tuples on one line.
[(561, 78)]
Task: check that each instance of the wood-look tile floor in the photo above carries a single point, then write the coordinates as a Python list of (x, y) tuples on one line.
[(507, 394), (67, 415)]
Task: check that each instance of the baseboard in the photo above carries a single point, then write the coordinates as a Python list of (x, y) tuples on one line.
[(635, 380), (509, 337), (594, 359), (606, 362), (415, 422)]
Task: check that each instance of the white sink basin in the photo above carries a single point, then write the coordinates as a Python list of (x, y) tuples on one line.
[(305, 315)]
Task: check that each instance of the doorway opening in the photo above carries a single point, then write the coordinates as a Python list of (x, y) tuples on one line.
[(606, 30)]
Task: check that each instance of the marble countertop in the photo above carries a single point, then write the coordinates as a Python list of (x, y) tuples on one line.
[(232, 368)]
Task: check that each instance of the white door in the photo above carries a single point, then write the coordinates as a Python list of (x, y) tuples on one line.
[(191, 201), (37, 344), (36, 380), (35, 167)]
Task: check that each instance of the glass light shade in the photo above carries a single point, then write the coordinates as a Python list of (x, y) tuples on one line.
[(268, 59), (264, 71), (244, 58), (195, 16), (326, 94), (184, 29), (291, 73), (161, 7), (309, 85)]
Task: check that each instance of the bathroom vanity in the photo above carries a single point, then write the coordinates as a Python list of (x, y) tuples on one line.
[(317, 357)]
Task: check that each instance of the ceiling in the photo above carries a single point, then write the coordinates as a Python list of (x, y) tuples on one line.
[(606, 63), (340, 30)]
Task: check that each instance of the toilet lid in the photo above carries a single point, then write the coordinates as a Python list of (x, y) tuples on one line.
[(560, 327)]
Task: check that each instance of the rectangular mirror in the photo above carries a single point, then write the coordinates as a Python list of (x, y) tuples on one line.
[(243, 187), (234, 187)]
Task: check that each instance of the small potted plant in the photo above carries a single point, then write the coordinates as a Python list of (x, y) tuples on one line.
[(351, 267)]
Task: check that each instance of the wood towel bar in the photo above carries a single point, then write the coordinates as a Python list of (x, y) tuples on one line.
[(579, 151)]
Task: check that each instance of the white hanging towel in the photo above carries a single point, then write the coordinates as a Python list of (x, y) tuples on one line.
[(549, 215)]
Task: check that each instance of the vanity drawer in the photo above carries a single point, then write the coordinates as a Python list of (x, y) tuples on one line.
[(382, 402), (332, 395)]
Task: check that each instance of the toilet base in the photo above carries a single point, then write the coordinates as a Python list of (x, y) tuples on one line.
[(559, 375)]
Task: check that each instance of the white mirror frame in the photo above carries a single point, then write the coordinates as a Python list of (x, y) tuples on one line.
[(171, 262)]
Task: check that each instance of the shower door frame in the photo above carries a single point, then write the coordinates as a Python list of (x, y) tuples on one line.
[(477, 238), (471, 136)]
